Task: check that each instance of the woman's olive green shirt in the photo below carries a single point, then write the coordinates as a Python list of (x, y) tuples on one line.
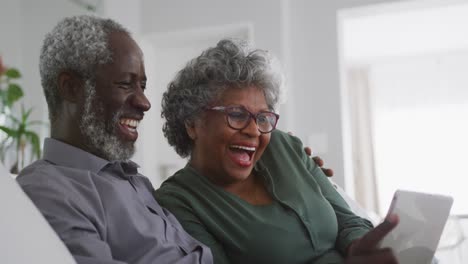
[(308, 222)]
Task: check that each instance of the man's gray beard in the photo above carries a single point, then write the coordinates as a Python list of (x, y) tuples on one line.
[(100, 134)]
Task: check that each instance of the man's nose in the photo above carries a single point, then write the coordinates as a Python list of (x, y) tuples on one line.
[(140, 101)]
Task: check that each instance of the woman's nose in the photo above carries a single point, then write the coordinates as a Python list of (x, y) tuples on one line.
[(252, 129)]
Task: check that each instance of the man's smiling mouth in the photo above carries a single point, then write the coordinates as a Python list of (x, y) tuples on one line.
[(128, 128), (130, 124)]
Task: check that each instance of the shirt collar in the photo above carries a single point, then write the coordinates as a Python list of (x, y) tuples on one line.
[(61, 153)]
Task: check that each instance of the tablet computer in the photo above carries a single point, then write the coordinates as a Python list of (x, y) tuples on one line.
[(422, 219)]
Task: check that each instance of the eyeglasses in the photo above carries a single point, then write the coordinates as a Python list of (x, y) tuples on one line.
[(238, 118)]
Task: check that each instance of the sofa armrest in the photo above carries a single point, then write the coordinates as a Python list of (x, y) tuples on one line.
[(25, 235)]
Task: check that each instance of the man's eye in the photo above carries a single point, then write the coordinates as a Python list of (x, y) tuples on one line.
[(124, 85)]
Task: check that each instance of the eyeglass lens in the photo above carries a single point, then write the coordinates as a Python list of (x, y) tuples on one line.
[(240, 118)]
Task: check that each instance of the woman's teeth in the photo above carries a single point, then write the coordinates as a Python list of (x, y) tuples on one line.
[(252, 149)]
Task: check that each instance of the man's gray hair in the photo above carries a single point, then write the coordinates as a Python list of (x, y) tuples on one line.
[(77, 44), (231, 64)]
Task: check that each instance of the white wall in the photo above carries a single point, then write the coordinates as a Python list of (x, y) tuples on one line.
[(23, 25), (10, 29), (315, 73), (127, 13), (178, 15)]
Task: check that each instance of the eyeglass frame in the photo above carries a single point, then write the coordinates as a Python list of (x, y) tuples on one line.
[(253, 116)]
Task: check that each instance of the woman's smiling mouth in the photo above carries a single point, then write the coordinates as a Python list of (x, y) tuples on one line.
[(242, 155)]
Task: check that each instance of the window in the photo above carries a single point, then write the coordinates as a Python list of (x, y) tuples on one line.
[(405, 69), (420, 126)]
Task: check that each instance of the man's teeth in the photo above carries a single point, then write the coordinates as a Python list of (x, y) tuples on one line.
[(130, 123), (243, 148)]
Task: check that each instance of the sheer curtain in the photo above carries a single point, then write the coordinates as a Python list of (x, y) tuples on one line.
[(409, 127), (362, 137)]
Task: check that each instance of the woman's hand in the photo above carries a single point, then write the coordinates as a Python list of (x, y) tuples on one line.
[(366, 250)]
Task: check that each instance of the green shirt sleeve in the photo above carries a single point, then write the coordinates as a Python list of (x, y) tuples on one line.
[(350, 226)]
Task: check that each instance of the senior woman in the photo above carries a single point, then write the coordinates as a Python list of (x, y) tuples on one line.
[(248, 192)]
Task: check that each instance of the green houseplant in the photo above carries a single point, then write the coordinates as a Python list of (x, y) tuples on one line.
[(16, 133)]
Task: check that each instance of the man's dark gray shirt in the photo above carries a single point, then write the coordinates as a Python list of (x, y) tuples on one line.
[(104, 211)]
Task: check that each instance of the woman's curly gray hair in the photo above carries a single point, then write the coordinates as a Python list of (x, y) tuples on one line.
[(78, 44), (231, 64)]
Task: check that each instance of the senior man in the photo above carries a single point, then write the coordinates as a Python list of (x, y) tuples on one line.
[(94, 80)]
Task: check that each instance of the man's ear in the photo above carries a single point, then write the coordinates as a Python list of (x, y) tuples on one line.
[(70, 86), (190, 128)]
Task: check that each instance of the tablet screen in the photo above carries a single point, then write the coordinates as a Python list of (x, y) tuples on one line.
[(422, 219)]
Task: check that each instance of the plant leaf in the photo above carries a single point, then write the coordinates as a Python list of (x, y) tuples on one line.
[(14, 119), (13, 73), (25, 115), (34, 140), (3, 100), (14, 93), (2, 153), (10, 132)]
